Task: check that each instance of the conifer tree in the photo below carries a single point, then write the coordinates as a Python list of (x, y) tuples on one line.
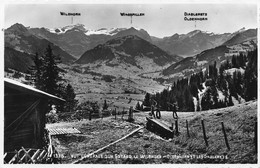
[(230, 102), (250, 76), (51, 72), (67, 93), (138, 106), (36, 72), (46, 76), (105, 106), (147, 100)]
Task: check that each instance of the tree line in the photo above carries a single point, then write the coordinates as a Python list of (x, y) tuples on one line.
[(47, 76), (216, 87)]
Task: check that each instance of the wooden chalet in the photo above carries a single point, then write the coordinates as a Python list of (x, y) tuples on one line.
[(24, 115)]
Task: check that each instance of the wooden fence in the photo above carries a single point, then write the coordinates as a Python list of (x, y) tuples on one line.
[(175, 131), (84, 114), (34, 156)]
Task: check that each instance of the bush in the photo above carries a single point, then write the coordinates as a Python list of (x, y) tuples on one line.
[(52, 118), (108, 78), (17, 74)]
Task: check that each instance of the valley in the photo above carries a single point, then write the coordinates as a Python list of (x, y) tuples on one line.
[(125, 88)]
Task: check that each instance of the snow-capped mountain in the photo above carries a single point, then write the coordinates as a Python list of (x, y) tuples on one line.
[(83, 28), (105, 31), (77, 39), (21, 39), (191, 43)]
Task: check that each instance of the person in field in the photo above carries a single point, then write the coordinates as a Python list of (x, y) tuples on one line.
[(155, 107), (174, 109)]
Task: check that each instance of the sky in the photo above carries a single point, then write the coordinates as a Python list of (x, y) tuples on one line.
[(160, 20)]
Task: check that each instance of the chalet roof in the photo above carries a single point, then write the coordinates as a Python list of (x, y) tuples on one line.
[(29, 89)]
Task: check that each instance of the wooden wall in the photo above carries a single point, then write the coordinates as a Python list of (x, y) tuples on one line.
[(29, 129)]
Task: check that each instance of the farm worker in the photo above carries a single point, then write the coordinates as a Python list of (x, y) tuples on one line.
[(158, 113), (174, 111), (152, 110)]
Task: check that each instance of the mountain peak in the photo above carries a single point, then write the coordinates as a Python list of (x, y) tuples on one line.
[(126, 49), (135, 28), (19, 28), (193, 33), (240, 30)]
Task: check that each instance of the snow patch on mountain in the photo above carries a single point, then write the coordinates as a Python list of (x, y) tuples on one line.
[(110, 32), (178, 66), (62, 30), (201, 63), (232, 70), (195, 102), (240, 99), (88, 32), (240, 30), (221, 95), (193, 33), (201, 93), (179, 74), (235, 101)]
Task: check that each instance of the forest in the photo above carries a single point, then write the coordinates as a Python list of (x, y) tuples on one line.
[(219, 86)]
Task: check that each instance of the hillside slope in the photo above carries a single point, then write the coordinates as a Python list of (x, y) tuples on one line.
[(201, 61), (127, 49), (239, 122), (17, 60), (148, 148), (250, 34), (19, 38)]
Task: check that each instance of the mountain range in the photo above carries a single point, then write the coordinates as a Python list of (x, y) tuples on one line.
[(129, 46), (21, 39), (76, 39), (191, 43), (201, 61), (127, 49)]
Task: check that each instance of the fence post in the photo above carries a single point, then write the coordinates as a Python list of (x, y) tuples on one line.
[(225, 135), (115, 113), (132, 113), (176, 127), (130, 117), (123, 113), (89, 116), (129, 113), (102, 115), (172, 130), (187, 125), (255, 137), (204, 133)]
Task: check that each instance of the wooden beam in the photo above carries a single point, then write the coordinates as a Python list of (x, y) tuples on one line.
[(35, 155), (40, 157), (29, 89), (26, 154), (87, 156), (159, 128)]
